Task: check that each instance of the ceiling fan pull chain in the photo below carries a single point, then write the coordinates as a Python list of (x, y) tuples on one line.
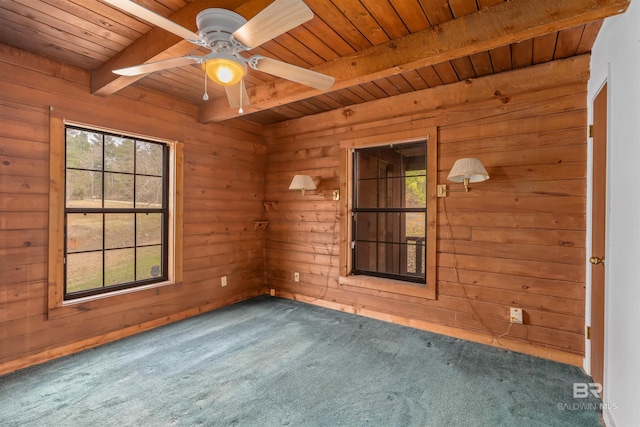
[(205, 96), (241, 111)]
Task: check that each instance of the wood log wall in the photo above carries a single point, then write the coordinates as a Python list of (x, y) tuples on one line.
[(514, 241), (517, 240), (223, 194)]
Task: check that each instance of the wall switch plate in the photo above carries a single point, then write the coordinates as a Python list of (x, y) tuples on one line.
[(296, 277), (223, 281), (515, 315)]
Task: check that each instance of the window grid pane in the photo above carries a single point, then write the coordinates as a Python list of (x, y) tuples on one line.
[(390, 212), (116, 213)]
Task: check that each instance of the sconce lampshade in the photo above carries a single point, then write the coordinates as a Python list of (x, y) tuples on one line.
[(302, 183), (470, 169)]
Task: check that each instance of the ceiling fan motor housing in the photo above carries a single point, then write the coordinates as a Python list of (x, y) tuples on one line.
[(218, 24)]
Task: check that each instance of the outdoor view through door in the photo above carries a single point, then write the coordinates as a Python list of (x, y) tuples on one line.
[(389, 209)]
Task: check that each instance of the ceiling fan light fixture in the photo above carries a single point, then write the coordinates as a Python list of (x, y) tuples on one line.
[(225, 71), (226, 34)]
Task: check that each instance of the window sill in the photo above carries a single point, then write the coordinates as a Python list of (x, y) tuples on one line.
[(389, 285), (95, 302)]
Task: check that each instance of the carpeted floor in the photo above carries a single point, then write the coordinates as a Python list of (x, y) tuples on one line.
[(275, 362)]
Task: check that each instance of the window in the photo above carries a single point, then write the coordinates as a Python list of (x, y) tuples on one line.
[(115, 212), (387, 230), (115, 215), (389, 211)]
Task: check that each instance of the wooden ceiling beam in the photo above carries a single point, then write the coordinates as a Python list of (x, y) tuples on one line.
[(500, 25), (159, 44)]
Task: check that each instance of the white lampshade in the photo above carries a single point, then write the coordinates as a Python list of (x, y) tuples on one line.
[(468, 168), (302, 183)]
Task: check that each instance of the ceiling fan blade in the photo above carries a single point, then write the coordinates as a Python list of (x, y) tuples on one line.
[(155, 19), (275, 19), (136, 70), (292, 72), (234, 92)]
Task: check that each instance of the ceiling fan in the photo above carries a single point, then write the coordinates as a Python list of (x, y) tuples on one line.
[(226, 34)]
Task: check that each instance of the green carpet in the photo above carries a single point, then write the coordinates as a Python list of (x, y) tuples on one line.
[(274, 362)]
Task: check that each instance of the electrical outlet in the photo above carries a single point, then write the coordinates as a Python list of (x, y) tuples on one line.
[(515, 315), (296, 277), (223, 281), (272, 292)]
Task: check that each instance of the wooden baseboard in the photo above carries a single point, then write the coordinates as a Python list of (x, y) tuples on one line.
[(76, 347), (505, 343)]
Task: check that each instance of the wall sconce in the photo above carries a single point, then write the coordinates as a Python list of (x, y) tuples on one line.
[(464, 171), (302, 183)]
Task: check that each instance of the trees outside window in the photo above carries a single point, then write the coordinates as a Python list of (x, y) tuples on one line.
[(115, 212)]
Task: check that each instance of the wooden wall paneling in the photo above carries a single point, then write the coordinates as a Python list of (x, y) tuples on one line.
[(528, 284), (513, 345), (537, 220), (500, 88), (574, 307), (507, 251), (62, 350), (220, 204), (529, 131), (453, 313), (512, 107), (516, 240), (22, 300), (515, 267)]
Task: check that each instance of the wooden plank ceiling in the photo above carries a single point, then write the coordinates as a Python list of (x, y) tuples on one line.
[(374, 48)]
